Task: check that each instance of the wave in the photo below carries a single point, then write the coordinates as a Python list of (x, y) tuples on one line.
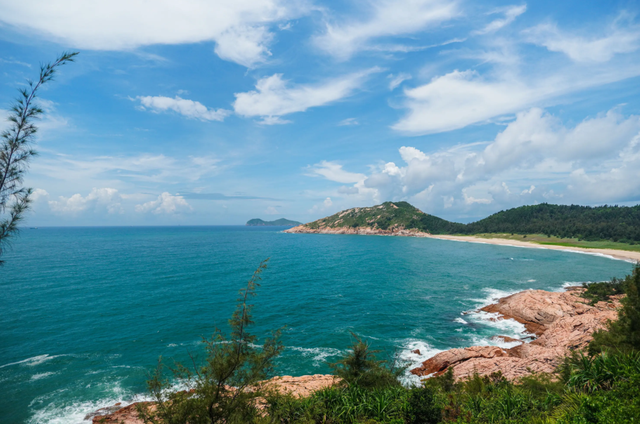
[(32, 362), (460, 320), (319, 354), (493, 295), (42, 375), (408, 357)]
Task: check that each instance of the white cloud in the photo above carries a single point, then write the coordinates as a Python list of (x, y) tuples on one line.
[(274, 97), (327, 202), (396, 80), (334, 172), (386, 18), (458, 99), (245, 45), (510, 15), (98, 200), (39, 194), (271, 210), (185, 107), (166, 203), (148, 168), (586, 49), (238, 26), (535, 158), (348, 122)]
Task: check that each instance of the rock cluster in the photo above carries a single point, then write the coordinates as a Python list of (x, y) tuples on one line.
[(297, 386), (562, 321)]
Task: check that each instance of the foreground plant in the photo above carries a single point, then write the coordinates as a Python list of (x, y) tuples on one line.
[(16, 151), (223, 389)]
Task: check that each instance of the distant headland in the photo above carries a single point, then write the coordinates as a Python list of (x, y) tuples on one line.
[(611, 230), (282, 222)]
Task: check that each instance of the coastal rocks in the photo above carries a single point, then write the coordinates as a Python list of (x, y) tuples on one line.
[(365, 231), (297, 386), (562, 321)]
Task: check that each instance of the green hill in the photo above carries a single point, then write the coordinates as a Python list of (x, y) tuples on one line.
[(615, 223), (386, 216), (282, 222), (612, 223)]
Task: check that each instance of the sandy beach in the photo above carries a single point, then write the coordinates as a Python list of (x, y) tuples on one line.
[(617, 254)]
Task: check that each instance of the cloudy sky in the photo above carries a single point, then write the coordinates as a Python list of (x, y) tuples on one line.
[(218, 111)]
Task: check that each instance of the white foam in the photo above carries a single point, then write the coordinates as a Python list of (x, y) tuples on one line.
[(493, 295), (460, 320), (319, 354), (507, 327), (42, 375), (414, 360), (31, 362)]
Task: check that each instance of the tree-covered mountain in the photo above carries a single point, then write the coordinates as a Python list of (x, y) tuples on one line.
[(616, 223), (282, 222)]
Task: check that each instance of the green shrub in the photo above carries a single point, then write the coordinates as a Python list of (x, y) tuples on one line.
[(421, 408), (360, 367), (602, 291)]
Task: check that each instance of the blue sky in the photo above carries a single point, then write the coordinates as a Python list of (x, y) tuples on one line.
[(215, 112)]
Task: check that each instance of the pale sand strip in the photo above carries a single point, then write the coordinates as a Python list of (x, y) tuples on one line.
[(617, 254)]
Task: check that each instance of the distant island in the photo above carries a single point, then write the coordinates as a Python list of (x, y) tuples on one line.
[(603, 227), (282, 222)]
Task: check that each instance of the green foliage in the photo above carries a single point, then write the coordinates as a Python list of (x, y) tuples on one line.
[(624, 333), (223, 389), (602, 291), (422, 407), (360, 367), (616, 223), (343, 405), (16, 151)]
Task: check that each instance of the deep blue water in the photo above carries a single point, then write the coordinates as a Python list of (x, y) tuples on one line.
[(86, 312)]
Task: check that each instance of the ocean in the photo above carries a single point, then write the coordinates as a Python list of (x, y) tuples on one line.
[(86, 312)]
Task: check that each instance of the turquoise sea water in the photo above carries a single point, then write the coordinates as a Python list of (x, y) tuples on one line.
[(85, 312)]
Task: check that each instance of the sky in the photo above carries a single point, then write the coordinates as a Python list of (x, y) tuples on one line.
[(213, 112)]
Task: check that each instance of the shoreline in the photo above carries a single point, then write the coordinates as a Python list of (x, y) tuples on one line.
[(624, 255)]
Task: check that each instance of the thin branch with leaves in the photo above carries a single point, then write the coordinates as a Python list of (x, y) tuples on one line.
[(16, 151)]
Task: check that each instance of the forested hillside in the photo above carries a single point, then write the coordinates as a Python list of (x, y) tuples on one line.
[(616, 223)]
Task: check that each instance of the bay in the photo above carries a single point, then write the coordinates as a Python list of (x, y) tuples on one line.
[(86, 312)]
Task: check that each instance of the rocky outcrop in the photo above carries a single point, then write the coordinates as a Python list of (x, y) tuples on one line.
[(297, 386), (364, 231), (562, 321)]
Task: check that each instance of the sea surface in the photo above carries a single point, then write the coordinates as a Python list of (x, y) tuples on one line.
[(86, 312)]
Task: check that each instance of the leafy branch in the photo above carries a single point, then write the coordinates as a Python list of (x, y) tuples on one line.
[(16, 151)]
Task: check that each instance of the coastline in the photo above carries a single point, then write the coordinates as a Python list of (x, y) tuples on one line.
[(624, 255)]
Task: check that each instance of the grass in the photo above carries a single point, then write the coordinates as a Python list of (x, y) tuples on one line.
[(567, 242)]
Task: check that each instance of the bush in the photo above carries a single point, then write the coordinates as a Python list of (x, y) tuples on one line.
[(602, 291), (223, 389), (360, 367), (623, 334), (421, 407)]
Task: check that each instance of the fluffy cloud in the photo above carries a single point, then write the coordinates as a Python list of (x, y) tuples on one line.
[(386, 18), (396, 80), (98, 200), (535, 158), (240, 27), (166, 203), (274, 97), (188, 108), (458, 99), (586, 49)]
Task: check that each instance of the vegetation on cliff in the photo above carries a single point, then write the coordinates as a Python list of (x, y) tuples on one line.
[(282, 222)]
